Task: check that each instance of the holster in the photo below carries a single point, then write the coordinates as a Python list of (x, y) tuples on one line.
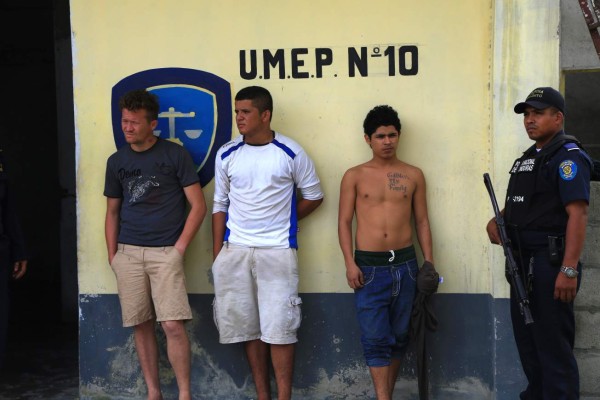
[(556, 250)]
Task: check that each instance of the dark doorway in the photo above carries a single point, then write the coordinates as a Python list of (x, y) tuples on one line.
[(582, 97), (37, 138)]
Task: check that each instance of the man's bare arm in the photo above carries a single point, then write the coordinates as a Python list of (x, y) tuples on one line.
[(422, 219), (218, 231), (305, 207), (195, 197), (345, 216), (565, 288), (111, 225)]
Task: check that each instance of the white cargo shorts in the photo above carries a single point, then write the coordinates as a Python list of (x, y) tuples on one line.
[(256, 294)]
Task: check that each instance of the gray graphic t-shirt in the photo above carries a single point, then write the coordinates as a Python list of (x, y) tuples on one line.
[(151, 185)]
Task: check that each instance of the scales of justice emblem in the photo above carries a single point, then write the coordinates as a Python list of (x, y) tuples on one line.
[(195, 111)]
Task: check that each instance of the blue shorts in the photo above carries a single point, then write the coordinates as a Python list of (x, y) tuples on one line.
[(384, 303)]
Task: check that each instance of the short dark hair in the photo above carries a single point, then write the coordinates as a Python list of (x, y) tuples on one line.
[(381, 116), (140, 99), (261, 98)]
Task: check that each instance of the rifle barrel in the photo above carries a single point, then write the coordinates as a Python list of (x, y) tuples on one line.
[(513, 269)]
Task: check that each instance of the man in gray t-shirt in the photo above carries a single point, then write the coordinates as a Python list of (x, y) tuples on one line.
[(147, 232)]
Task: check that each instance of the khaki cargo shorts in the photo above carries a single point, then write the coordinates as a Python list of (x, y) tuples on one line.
[(151, 284)]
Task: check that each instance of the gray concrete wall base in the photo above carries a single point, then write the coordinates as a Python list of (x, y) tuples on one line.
[(471, 355)]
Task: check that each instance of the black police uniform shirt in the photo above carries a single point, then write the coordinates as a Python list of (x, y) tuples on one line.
[(12, 243), (542, 184)]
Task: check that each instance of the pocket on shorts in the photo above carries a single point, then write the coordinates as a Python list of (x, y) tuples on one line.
[(173, 250), (114, 260), (413, 270), (368, 275), (295, 312)]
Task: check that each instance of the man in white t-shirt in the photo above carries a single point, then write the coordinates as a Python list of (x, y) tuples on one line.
[(255, 225)]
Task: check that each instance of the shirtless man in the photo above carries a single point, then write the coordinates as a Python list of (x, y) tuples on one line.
[(383, 193)]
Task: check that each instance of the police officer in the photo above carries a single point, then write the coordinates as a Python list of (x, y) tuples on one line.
[(546, 216), (12, 252)]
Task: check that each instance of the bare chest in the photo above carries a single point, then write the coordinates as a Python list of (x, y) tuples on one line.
[(385, 187)]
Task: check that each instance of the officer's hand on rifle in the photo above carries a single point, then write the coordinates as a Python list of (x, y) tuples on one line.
[(492, 231)]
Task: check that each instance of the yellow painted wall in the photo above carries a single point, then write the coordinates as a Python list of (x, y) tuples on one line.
[(446, 110)]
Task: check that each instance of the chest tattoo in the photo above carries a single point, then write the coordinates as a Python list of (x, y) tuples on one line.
[(395, 182)]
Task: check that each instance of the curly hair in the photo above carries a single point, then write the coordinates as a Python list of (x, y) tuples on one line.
[(381, 116), (140, 99)]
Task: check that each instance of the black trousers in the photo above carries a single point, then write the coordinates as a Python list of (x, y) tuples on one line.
[(4, 298), (546, 346)]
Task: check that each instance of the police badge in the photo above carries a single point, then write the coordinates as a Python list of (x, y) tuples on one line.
[(567, 170)]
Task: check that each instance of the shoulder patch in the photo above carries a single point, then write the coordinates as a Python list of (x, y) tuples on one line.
[(571, 146), (567, 170)]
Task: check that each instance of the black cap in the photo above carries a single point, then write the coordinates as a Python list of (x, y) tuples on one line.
[(540, 98)]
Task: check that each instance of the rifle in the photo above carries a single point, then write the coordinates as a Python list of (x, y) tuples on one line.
[(512, 267)]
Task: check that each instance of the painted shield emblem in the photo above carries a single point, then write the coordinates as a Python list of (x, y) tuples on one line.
[(195, 111)]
